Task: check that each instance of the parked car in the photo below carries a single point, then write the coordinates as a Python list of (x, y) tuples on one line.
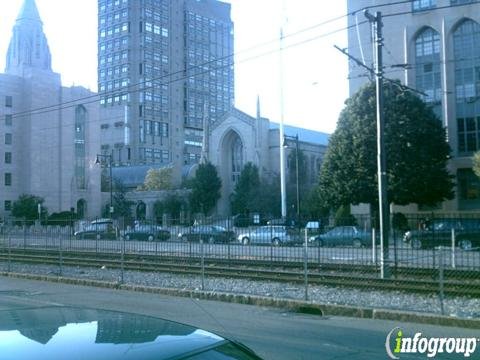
[(343, 235), (147, 232), (207, 233), (269, 234), (438, 232), (98, 229)]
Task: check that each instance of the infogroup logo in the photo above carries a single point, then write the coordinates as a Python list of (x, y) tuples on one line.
[(430, 346)]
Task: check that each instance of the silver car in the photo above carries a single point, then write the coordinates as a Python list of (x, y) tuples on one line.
[(270, 234)]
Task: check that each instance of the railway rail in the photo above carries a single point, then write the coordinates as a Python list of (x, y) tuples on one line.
[(459, 282)]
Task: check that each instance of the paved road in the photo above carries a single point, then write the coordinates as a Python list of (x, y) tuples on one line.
[(274, 334), (403, 254)]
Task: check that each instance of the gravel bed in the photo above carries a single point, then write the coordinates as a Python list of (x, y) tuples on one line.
[(462, 307)]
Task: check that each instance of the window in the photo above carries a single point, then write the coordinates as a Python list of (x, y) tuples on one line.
[(8, 120), (468, 189), (7, 206), (8, 139), (8, 179), (427, 61), (466, 40), (8, 157), (8, 101), (460, 2), (420, 5)]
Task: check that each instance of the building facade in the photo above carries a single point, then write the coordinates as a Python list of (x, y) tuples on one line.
[(47, 149), (163, 67), (432, 46)]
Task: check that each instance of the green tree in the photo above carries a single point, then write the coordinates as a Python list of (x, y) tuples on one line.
[(121, 206), (416, 150), (171, 205), (157, 179), (476, 163), (206, 187), (26, 206), (245, 197)]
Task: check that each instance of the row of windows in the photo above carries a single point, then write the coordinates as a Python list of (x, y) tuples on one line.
[(117, 16), (154, 155), (116, 57), (108, 4), (113, 44), (420, 5), (114, 99), (108, 86), (117, 29)]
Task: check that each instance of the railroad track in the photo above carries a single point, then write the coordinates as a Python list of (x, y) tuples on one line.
[(353, 277)]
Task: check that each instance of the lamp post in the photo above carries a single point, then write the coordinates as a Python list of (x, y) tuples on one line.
[(109, 159), (286, 138)]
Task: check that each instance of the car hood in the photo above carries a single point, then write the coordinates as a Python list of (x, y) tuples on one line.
[(78, 333)]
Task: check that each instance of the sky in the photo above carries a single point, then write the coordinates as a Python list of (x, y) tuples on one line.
[(314, 74)]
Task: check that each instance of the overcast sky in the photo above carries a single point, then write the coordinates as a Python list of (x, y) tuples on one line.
[(314, 76)]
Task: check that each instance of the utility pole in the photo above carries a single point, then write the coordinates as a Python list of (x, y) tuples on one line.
[(384, 211)]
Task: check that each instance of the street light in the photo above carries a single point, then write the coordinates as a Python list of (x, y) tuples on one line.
[(109, 158), (285, 144)]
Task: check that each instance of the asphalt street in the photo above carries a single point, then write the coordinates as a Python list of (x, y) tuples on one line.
[(272, 333)]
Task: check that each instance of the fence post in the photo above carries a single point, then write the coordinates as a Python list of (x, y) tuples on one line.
[(202, 263), (122, 260), (453, 248), (24, 235), (441, 279), (374, 248), (60, 257), (9, 254), (305, 263)]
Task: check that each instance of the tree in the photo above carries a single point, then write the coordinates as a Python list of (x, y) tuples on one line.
[(121, 206), (416, 150), (206, 187), (172, 205), (157, 179), (27, 207), (476, 163), (245, 197)]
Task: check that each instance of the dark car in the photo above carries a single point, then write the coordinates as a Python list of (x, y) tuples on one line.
[(343, 236), (98, 229), (147, 233), (438, 232), (58, 332), (207, 233)]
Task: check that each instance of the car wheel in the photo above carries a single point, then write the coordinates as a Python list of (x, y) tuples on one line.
[(416, 244), (465, 245), (245, 241), (357, 243), (276, 242), (127, 237), (150, 237)]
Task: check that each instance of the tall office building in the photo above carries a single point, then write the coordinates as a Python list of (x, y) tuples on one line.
[(433, 46), (164, 70)]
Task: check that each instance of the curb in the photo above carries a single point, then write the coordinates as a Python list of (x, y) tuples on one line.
[(299, 306)]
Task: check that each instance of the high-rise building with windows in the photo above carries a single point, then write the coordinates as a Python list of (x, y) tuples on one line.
[(164, 69), (433, 46)]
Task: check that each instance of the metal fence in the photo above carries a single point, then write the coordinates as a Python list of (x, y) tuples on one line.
[(432, 255)]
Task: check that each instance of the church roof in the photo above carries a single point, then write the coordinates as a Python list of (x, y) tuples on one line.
[(305, 135), (29, 11), (133, 176)]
